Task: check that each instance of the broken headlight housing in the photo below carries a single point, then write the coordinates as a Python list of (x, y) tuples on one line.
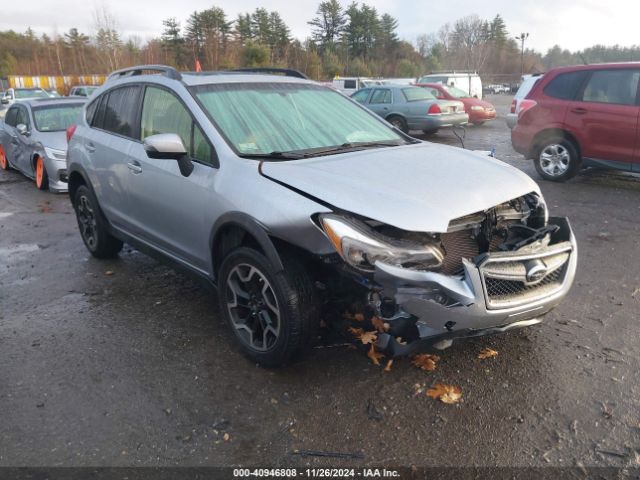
[(361, 247)]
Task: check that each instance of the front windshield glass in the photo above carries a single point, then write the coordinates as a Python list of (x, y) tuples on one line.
[(456, 92), (90, 90), (265, 118), (57, 117), (31, 93)]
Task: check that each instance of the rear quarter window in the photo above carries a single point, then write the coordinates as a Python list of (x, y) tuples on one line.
[(566, 86)]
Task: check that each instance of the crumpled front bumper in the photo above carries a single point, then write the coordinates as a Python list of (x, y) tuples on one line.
[(494, 294)]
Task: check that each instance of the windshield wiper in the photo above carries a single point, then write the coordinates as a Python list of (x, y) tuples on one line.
[(274, 155)]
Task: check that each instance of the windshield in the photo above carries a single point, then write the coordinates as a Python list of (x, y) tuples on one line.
[(265, 118), (433, 79), (56, 118), (30, 93), (416, 94), (90, 90), (456, 92)]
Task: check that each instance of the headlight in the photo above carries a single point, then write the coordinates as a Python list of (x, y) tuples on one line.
[(361, 247), (477, 108), (55, 154)]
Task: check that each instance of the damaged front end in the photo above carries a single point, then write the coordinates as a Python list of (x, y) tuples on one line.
[(490, 272)]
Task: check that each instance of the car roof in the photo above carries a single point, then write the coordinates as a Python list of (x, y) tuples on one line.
[(52, 101), (596, 66)]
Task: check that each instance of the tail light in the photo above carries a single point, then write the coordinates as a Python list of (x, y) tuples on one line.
[(514, 104), (70, 131), (434, 109), (526, 105)]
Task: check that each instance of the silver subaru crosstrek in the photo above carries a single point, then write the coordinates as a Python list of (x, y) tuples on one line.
[(293, 199)]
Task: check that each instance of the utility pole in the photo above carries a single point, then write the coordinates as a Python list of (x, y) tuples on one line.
[(523, 36)]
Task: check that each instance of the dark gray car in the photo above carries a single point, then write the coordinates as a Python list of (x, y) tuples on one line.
[(33, 139), (412, 108), (297, 202)]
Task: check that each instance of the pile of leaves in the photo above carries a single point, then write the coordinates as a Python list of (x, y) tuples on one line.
[(365, 333)]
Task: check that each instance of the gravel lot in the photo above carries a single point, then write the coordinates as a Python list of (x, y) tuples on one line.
[(136, 367)]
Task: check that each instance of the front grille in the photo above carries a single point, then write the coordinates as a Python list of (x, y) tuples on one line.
[(499, 289), (512, 289)]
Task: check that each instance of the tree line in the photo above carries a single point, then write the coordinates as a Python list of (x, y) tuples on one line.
[(356, 40)]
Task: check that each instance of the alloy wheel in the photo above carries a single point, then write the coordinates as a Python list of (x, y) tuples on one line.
[(253, 307), (555, 160), (87, 221)]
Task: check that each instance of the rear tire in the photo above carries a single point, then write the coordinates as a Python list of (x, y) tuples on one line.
[(557, 159), (273, 315), (398, 122), (42, 179), (4, 162), (428, 133), (93, 226)]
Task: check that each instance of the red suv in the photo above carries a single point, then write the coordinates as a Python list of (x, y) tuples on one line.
[(581, 116)]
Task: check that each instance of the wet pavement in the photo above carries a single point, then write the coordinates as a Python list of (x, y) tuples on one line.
[(126, 362)]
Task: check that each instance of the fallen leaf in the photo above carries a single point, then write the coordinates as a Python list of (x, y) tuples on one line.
[(426, 361), (374, 356), (359, 317), (108, 273), (445, 393), (379, 324), (388, 367), (487, 353), (226, 437), (368, 337)]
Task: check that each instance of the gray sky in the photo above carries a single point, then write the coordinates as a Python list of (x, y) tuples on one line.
[(573, 24)]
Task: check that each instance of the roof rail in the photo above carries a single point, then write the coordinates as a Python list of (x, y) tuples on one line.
[(165, 70), (287, 72)]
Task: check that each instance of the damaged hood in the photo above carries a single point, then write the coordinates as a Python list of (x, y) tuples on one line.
[(416, 188)]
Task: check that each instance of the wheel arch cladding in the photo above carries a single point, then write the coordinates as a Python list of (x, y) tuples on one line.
[(76, 178), (235, 229), (542, 136)]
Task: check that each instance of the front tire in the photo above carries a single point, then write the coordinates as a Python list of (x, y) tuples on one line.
[(93, 226), (431, 132), (42, 179), (557, 159), (273, 315)]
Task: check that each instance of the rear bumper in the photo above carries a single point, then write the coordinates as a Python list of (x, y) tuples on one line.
[(435, 122), (511, 120), (434, 306), (521, 140)]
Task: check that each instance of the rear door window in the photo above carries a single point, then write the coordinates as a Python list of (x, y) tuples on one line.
[(566, 85), (381, 95), (121, 110), (612, 86)]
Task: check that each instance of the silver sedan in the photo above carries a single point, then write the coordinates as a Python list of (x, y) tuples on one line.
[(412, 108), (33, 140)]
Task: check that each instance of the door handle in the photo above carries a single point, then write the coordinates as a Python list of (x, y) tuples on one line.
[(579, 111), (91, 147), (134, 168)]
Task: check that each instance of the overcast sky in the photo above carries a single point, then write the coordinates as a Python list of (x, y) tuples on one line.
[(572, 24)]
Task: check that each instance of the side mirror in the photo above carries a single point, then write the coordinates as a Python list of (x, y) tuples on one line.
[(169, 146), (22, 129), (5, 100)]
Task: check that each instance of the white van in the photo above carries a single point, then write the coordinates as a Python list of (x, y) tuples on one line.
[(469, 82), (349, 85)]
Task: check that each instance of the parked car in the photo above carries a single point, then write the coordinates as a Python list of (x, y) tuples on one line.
[(53, 92), (33, 140), (412, 108), (497, 89), (528, 81), (82, 90), (288, 196), (12, 95), (479, 111), (469, 82), (581, 116)]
